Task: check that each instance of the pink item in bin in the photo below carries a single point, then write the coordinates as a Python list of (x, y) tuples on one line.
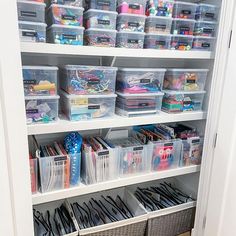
[(131, 8)]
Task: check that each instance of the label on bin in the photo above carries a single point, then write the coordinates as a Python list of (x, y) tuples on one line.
[(206, 45), (184, 28), (161, 42), (133, 41), (137, 148), (103, 40), (133, 24), (168, 144), (191, 81), (68, 17), (197, 140), (30, 82), (209, 15), (103, 22), (28, 13), (134, 6), (186, 12), (103, 153), (79, 101), (29, 34), (32, 111), (61, 158), (207, 30), (69, 36), (145, 81), (183, 44), (94, 107), (160, 26), (103, 3), (163, 9), (143, 104)]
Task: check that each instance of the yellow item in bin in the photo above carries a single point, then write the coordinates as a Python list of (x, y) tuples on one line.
[(45, 85)]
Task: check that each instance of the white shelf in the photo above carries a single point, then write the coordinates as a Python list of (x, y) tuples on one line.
[(87, 189), (63, 125), (70, 50)]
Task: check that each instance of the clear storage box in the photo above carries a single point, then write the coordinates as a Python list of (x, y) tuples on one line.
[(157, 41), (139, 80), (131, 6), (182, 27), (203, 43), (100, 19), (130, 22), (32, 32), (184, 10), (65, 15), (75, 3), (31, 11), (207, 12), (185, 79), (63, 34), (129, 40), (160, 8), (158, 25), (106, 5), (205, 28), (100, 37), (41, 109), (80, 80), (86, 107), (177, 101), (132, 105), (40, 80), (181, 42)]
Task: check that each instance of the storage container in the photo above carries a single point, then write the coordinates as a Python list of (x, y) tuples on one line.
[(131, 6), (132, 105), (41, 109), (203, 43), (158, 25), (106, 5), (32, 32), (185, 79), (75, 3), (207, 12), (181, 42), (31, 11), (100, 19), (63, 34), (139, 80), (205, 28), (100, 37), (182, 27), (42, 1), (34, 174), (157, 41), (40, 80), (184, 10), (86, 107), (130, 22), (129, 40), (160, 8), (65, 15), (80, 80), (177, 101)]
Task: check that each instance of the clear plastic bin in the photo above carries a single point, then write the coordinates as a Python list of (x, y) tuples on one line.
[(32, 32), (158, 25), (166, 154), (31, 11), (131, 6), (65, 15), (41, 109), (34, 174), (205, 28), (207, 12), (182, 27), (157, 41), (100, 19), (86, 107), (106, 5), (40, 80), (185, 79), (132, 105), (81, 80), (203, 43), (129, 40), (139, 80), (100, 37), (130, 22), (160, 8), (75, 3), (62, 34), (177, 101), (42, 1), (184, 10), (181, 42)]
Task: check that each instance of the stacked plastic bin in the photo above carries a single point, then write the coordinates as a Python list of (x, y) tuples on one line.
[(100, 23), (31, 16), (65, 19)]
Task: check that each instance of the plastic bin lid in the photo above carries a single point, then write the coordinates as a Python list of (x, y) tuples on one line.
[(142, 69), (190, 70), (203, 37), (132, 15), (207, 22), (127, 32), (73, 96), (73, 67), (125, 95), (66, 27), (207, 5), (101, 30), (40, 67), (186, 3), (66, 6), (182, 36), (100, 11), (186, 20), (42, 97), (159, 17), (32, 23), (32, 2), (172, 92), (157, 34)]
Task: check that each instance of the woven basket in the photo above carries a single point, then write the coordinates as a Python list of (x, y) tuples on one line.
[(171, 224)]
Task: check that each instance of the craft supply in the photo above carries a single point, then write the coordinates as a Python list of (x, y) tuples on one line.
[(131, 6), (159, 8), (185, 79), (41, 109), (181, 42), (100, 37), (62, 34), (100, 19), (33, 173), (203, 43), (75, 3), (65, 15), (158, 25), (130, 22), (129, 40), (207, 12), (32, 32), (182, 27), (157, 41), (184, 10), (106, 5), (205, 29)]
